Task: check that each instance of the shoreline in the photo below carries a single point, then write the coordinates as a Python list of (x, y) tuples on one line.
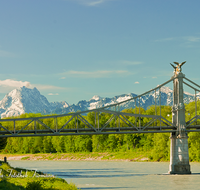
[(77, 157)]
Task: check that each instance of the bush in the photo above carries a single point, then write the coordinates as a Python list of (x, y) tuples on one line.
[(35, 185)]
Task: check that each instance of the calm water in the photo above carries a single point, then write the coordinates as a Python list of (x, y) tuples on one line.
[(116, 175)]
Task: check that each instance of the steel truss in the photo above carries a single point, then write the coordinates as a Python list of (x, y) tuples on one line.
[(117, 122)]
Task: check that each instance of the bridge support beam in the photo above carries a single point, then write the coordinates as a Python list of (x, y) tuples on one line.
[(179, 157)]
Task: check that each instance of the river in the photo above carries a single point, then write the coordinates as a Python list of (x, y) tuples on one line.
[(105, 175)]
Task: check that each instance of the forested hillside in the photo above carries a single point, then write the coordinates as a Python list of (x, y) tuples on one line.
[(157, 143)]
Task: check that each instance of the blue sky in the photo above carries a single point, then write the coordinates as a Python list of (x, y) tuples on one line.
[(73, 49)]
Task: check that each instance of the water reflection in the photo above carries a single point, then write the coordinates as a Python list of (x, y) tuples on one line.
[(87, 175)]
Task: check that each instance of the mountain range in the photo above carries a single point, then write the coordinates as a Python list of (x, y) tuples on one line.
[(26, 100)]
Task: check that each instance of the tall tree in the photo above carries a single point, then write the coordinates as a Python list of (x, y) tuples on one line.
[(3, 142)]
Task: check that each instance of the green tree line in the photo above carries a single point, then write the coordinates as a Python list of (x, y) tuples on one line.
[(157, 143)]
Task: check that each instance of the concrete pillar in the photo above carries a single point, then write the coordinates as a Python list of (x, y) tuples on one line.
[(179, 157)]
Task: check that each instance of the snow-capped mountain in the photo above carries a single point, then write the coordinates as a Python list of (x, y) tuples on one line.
[(145, 101), (26, 100)]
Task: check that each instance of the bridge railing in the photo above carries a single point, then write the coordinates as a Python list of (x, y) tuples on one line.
[(96, 122), (193, 118)]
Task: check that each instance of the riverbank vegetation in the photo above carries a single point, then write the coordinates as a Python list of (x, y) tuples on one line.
[(82, 156), (21, 179), (154, 146)]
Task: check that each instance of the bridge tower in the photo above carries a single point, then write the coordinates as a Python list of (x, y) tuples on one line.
[(179, 157)]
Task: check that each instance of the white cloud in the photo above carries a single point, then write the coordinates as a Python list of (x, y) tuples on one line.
[(154, 77), (13, 83), (51, 94), (48, 87), (165, 40), (192, 38), (94, 74), (137, 82), (10, 84), (126, 62), (92, 2), (191, 42), (183, 39)]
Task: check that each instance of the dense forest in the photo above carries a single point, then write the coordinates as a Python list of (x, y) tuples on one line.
[(157, 143)]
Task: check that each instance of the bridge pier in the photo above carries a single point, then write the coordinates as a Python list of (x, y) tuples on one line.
[(179, 156)]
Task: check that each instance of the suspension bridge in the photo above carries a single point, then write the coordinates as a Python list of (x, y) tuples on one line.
[(77, 124)]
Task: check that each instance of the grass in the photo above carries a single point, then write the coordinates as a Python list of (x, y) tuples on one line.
[(30, 183), (35, 184), (25, 158)]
